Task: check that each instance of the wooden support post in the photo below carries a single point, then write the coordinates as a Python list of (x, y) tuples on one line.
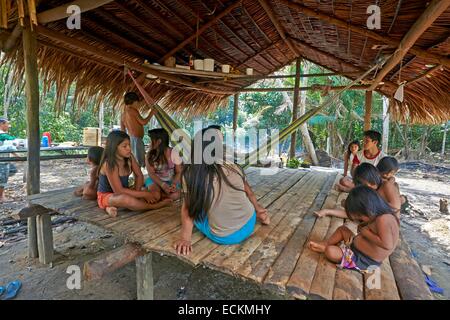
[(32, 95), (235, 112), (144, 277), (444, 138), (368, 112), (108, 262), (385, 140), (44, 238), (32, 238), (295, 106)]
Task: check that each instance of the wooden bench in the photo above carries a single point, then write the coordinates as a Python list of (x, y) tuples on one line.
[(275, 256)]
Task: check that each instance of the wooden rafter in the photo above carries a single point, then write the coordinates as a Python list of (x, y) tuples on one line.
[(161, 20), (243, 29), (117, 59), (371, 34), (272, 16), (60, 12), (260, 52), (314, 88), (131, 44), (256, 78), (79, 55), (427, 73), (404, 65), (431, 13), (327, 54), (202, 29), (130, 30), (12, 38)]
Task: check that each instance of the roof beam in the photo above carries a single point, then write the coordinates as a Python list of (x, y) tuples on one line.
[(201, 30), (117, 59), (404, 65), (439, 59), (60, 12), (431, 13), (428, 72), (12, 38), (278, 26), (321, 88)]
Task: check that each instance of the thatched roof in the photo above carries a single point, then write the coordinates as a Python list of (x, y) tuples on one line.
[(133, 31)]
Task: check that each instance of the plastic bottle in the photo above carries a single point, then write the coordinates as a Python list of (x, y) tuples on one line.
[(44, 142)]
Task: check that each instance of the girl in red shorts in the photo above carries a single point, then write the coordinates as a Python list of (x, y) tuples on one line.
[(116, 166)]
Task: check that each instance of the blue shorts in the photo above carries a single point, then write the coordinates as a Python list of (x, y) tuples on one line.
[(148, 182), (234, 238)]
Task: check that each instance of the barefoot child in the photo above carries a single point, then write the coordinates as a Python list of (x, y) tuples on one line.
[(163, 166), (367, 175), (377, 237), (350, 156), (116, 166), (370, 154), (217, 200), (388, 168), (89, 190), (133, 123)]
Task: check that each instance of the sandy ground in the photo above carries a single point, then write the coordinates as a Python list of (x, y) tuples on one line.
[(425, 228)]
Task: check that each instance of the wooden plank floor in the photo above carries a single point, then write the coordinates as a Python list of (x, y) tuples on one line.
[(275, 256)]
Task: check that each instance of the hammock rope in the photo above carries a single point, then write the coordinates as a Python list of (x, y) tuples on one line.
[(251, 158)]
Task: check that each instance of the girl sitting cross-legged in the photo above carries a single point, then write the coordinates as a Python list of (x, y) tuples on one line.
[(163, 166), (217, 200), (116, 166), (377, 237)]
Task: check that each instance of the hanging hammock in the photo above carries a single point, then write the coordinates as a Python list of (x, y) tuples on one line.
[(170, 125)]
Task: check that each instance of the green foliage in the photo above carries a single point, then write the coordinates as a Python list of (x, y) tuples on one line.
[(293, 163), (256, 110)]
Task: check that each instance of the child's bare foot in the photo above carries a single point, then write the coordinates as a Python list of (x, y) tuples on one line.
[(3, 199), (263, 216), (111, 211), (318, 246)]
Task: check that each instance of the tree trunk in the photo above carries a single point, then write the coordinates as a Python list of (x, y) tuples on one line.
[(385, 142), (309, 146), (443, 139)]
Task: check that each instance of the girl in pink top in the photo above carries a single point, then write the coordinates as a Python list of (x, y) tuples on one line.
[(163, 166)]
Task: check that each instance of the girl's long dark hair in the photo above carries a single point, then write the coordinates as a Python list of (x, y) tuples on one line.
[(352, 143), (109, 154), (367, 173), (199, 179), (364, 201), (158, 155)]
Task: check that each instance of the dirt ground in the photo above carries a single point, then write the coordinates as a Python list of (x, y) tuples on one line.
[(426, 229)]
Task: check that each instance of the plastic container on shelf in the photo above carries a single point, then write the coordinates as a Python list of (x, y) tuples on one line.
[(208, 64)]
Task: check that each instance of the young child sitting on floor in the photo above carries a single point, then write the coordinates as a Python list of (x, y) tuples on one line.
[(117, 164), (367, 175), (377, 237), (388, 168), (216, 199), (163, 166), (89, 190), (370, 153), (350, 157)]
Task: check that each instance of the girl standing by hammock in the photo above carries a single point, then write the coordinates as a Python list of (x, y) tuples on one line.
[(217, 200), (116, 166), (163, 166)]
